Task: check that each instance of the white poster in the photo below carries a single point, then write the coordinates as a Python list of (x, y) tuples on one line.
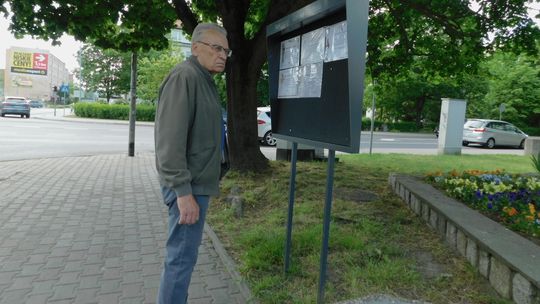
[(313, 45), (290, 53), (336, 42), (288, 83), (310, 80)]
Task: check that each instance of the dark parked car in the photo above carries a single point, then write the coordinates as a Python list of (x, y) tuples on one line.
[(36, 104), (15, 106)]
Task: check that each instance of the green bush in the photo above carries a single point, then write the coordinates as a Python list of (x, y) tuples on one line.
[(402, 126), (531, 131), (114, 111)]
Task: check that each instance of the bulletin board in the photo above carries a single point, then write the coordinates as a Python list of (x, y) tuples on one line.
[(316, 65)]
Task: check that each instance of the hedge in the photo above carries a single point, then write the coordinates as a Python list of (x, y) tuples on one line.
[(114, 111), (400, 126)]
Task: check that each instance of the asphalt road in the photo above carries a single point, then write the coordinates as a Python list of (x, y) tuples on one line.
[(45, 135), (48, 135)]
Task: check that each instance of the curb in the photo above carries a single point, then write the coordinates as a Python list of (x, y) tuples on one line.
[(96, 121), (229, 265)]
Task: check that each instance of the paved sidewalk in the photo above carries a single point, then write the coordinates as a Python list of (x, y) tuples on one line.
[(92, 230)]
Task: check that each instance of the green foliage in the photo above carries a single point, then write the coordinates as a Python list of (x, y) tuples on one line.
[(115, 111), (104, 71), (531, 131), (129, 25), (514, 81), (536, 162), (400, 126), (152, 70), (510, 199), (447, 36)]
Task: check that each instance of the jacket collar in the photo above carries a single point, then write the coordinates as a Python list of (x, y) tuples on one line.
[(193, 60)]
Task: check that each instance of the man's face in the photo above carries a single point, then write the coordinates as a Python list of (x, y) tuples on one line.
[(211, 51)]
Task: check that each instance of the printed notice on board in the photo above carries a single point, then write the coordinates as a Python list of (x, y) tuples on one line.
[(310, 80), (288, 83), (336, 42), (302, 58), (313, 46), (290, 53)]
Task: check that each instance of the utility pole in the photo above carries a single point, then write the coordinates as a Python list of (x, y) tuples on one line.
[(133, 105)]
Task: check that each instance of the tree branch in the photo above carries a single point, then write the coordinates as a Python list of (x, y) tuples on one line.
[(184, 13), (451, 28)]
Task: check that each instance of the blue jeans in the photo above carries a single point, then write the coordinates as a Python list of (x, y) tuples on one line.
[(182, 249)]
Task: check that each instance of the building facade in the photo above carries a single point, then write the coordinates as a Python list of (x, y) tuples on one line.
[(180, 43), (32, 73)]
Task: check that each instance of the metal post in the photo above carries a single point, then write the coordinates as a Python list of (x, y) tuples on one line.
[(372, 118), (64, 103), (326, 224), (292, 186), (133, 105)]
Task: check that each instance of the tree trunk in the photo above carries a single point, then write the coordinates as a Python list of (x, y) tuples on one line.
[(419, 108), (245, 153)]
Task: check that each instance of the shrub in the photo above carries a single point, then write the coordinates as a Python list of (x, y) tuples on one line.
[(536, 162), (531, 131), (115, 111)]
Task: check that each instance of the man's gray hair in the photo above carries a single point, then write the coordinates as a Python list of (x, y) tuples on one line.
[(202, 28)]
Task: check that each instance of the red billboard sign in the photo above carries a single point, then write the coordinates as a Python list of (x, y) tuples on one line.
[(40, 61)]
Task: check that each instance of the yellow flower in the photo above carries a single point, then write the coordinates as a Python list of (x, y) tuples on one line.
[(532, 209), (529, 218)]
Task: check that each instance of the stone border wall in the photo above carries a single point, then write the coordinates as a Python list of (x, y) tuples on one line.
[(510, 262)]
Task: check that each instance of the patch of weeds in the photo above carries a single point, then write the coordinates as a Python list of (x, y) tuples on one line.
[(375, 247)]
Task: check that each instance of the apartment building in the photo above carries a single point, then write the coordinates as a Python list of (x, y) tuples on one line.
[(32, 73)]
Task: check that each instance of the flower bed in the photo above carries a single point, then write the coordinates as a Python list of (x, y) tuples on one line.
[(513, 200)]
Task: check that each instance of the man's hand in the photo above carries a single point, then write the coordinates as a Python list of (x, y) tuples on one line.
[(189, 209)]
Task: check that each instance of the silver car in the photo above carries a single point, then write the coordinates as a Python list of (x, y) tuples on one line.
[(491, 133)]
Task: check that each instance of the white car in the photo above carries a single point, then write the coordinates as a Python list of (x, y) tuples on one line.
[(264, 126), (491, 133)]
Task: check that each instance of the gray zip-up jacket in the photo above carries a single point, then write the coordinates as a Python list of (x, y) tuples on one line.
[(188, 131)]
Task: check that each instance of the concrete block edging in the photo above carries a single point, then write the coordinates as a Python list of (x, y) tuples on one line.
[(510, 262), (229, 264)]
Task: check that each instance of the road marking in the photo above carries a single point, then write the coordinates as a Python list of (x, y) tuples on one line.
[(387, 139)]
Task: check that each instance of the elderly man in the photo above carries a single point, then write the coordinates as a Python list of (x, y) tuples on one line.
[(188, 139)]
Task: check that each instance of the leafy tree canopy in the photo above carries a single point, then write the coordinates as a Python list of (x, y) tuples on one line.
[(452, 36), (104, 71), (122, 25), (153, 68), (514, 80)]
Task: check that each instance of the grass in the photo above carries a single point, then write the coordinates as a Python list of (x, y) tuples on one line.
[(376, 246)]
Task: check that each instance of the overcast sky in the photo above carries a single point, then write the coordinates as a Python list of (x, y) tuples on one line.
[(68, 50)]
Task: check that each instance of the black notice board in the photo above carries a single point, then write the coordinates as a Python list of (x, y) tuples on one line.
[(332, 120)]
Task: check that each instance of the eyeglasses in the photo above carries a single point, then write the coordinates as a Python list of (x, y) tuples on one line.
[(218, 48)]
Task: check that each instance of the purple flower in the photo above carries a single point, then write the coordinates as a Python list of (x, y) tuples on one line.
[(479, 194), (490, 197), (490, 205)]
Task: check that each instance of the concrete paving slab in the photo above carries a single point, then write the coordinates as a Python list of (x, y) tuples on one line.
[(92, 230)]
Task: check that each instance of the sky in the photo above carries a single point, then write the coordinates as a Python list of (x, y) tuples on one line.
[(67, 51)]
